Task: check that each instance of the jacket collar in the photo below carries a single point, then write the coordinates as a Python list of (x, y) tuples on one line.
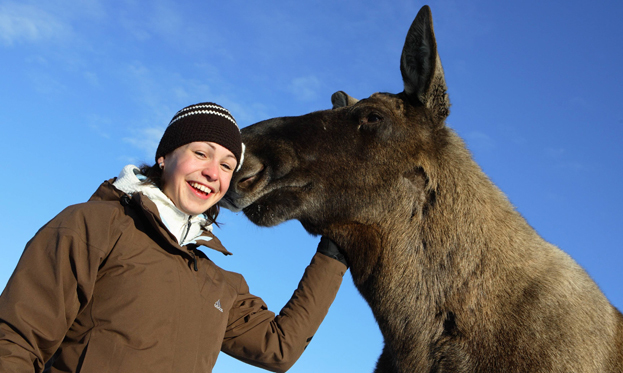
[(150, 210), (108, 192), (186, 228)]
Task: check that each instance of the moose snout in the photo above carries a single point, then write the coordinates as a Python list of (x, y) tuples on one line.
[(242, 184)]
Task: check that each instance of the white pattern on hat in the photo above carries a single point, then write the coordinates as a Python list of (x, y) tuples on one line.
[(192, 107), (241, 157), (230, 117)]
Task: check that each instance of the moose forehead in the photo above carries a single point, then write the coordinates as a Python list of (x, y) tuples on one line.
[(378, 115), (379, 129), (385, 103)]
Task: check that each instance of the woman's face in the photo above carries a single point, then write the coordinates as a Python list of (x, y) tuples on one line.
[(196, 176)]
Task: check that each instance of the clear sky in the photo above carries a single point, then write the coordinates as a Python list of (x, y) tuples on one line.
[(89, 86)]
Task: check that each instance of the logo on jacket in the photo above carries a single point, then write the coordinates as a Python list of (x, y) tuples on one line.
[(217, 305)]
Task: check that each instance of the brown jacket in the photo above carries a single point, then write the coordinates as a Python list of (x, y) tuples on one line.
[(104, 287)]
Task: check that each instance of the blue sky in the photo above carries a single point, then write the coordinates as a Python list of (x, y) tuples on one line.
[(89, 86)]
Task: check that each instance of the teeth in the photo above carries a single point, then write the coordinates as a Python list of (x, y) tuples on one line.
[(202, 188)]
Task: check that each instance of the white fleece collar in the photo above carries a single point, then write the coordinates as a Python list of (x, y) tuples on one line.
[(186, 228)]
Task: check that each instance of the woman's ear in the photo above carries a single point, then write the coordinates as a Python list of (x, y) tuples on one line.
[(160, 162)]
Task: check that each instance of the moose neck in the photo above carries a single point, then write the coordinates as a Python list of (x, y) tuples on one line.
[(434, 264)]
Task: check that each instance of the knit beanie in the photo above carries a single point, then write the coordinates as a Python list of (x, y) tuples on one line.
[(205, 121)]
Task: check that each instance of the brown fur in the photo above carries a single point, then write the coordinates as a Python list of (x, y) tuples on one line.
[(456, 278)]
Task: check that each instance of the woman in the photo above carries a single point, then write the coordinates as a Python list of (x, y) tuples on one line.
[(119, 284)]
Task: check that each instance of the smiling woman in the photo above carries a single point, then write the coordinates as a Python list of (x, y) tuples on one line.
[(199, 151), (197, 175), (123, 273)]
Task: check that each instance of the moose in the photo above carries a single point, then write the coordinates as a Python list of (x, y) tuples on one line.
[(456, 278)]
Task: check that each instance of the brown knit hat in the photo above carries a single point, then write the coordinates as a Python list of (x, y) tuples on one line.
[(205, 121)]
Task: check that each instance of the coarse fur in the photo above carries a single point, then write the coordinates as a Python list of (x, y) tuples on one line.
[(456, 278)]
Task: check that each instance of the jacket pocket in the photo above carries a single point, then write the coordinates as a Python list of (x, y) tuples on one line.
[(103, 355), (109, 354)]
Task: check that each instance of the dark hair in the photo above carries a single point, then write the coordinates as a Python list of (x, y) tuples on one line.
[(153, 176)]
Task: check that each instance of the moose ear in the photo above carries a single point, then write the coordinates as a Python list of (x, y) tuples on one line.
[(420, 66), (341, 99)]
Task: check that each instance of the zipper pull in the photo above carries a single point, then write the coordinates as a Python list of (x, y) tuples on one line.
[(194, 259)]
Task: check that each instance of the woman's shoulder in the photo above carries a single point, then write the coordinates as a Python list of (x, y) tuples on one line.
[(105, 206), (95, 223), (91, 213)]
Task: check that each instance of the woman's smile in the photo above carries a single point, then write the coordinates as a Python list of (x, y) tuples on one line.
[(201, 190)]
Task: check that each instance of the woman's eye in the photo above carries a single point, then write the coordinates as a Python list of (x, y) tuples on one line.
[(200, 154)]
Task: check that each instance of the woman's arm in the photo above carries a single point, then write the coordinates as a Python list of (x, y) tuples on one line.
[(52, 282), (256, 336)]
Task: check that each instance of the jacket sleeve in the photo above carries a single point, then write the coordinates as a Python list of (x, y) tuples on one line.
[(255, 336), (52, 282)]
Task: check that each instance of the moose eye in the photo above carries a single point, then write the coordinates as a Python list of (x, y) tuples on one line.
[(373, 118), (370, 119)]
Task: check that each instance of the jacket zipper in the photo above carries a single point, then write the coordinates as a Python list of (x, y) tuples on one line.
[(190, 250), (126, 202), (187, 230)]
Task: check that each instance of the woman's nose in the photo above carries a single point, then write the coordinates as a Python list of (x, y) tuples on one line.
[(210, 171)]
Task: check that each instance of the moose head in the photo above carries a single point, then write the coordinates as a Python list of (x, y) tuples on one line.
[(357, 162)]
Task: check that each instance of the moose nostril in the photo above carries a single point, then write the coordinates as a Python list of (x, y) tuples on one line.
[(247, 181)]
